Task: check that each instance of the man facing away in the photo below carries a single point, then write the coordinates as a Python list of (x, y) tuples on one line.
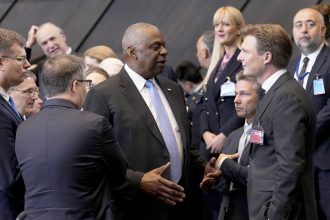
[(312, 71), (70, 160), (13, 66), (280, 179), (149, 118)]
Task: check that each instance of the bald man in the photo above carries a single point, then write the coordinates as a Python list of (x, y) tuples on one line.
[(314, 76), (154, 190), (52, 40)]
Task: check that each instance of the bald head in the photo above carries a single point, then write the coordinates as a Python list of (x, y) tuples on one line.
[(308, 30), (136, 33), (51, 39), (144, 49)]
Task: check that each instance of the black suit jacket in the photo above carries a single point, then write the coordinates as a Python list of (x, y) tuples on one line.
[(69, 160), (321, 104), (218, 113), (234, 201), (137, 132), (280, 178), (11, 182)]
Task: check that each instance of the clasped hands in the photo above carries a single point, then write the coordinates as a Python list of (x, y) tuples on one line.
[(212, 172), (167, 191)]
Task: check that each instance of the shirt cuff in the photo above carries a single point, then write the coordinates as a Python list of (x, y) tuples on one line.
[(218, 165)]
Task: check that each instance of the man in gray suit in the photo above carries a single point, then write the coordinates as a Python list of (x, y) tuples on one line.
[(280, 179), (234, 172), (69, 158), (152, 191)]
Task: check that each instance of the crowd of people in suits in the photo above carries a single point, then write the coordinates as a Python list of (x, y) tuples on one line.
[(242, 135)]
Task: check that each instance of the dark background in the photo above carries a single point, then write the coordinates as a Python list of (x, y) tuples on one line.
[(91, 22)]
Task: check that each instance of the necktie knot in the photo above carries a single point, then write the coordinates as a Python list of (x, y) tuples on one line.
[(149, 84), (305, 60), (262, 93)]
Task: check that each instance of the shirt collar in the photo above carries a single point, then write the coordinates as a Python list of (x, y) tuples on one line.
[(312, 57), (137, 79), (272, 79), (4, 94)]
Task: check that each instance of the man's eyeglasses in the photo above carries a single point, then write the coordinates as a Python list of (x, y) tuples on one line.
[(21, 59), (88, 82), (29, 92)]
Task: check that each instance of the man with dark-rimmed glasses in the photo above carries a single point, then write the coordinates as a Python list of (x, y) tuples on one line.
[(13, 66), (26, 96)]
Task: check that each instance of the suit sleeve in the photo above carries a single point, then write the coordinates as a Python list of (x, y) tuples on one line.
[(323, 119), (96, 102), (113, 156), (289, 148), (234, 171)]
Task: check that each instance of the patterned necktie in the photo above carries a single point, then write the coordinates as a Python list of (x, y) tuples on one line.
[(302, 74), (167, 132)]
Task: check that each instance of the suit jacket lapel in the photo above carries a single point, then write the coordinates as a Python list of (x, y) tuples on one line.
[(11, 111), (138, 104), (231, 67), (320, 60), (263, 104)]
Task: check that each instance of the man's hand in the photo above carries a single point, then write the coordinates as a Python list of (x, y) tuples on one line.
[(208, 137), (222, 157), (167, 191), (211, 175), (216, 145), (31, 39)]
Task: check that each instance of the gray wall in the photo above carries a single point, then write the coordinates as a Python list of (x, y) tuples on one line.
[(91, 22)]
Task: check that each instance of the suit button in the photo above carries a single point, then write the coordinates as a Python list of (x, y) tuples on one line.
[(191, 123), (222, 100), (216, 113), (207, 113), (205, 99)]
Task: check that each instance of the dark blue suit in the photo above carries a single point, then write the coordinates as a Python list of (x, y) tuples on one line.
[(11, 182), (321, 104), (69, 161)]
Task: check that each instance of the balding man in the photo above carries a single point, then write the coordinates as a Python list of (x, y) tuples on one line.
[(312, 71), (204, 47), (52, 41), (149, 118)]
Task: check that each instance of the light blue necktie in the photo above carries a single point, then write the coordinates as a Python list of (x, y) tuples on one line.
[(167, 132)]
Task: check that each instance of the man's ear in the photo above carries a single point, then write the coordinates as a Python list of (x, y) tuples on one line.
[(268, 57), (206, 53), (74, 86), (131, 52)]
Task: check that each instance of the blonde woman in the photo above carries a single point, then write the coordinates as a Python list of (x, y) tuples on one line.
[(218, 115)]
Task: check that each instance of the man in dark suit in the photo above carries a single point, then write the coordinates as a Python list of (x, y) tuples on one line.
[(151, 191), (69, 158), (280, 178), (234, 172), (308, 33), (13, 66)]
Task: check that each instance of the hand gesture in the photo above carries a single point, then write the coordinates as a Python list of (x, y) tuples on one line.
[(167, 191)]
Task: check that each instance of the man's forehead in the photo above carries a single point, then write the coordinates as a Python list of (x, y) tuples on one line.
[(305, 15)]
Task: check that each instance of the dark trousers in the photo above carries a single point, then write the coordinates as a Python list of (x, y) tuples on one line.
[(322, 184)]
